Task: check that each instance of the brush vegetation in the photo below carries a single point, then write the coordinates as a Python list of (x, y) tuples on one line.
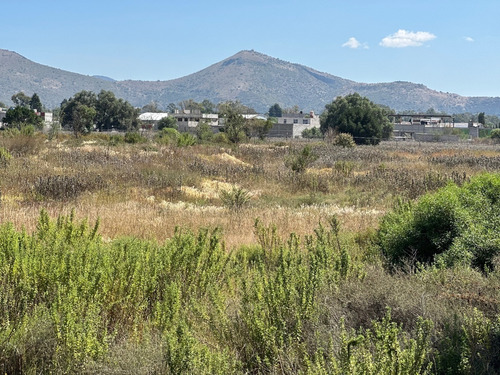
[(167, 257)]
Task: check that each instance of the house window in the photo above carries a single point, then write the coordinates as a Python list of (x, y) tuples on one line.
[(284, 121), (295, 120), (305, 122)]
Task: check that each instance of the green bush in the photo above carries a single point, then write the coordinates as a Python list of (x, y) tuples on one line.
[(495, 134), (186, 139), (345, 140), (5, 157), (134, 137), (298, 161), (168, 136), (453, 225)]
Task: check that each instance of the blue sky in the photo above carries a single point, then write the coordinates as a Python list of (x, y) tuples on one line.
[(449, 46)]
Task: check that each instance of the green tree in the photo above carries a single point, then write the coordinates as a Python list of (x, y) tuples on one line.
[(358, 116), (20, 116), (258, 127), (481, 118), (236, 106), (86, 98), (3, 105), (151, 107), (36, 103), (167, 122), (234, 124), (207, 106), (171, 108), (113, 113), (21, 99), (82, 119), (204, 132), (275, 111)]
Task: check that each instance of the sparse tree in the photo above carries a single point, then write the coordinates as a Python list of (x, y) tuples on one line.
[(151, 107), (258, 127), (21, 99), (171, 108), (234, 124)]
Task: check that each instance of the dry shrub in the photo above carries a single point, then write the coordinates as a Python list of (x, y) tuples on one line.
[(22, 145), (65, 187)]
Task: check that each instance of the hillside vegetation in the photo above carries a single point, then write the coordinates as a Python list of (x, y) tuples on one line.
[(150, 258)]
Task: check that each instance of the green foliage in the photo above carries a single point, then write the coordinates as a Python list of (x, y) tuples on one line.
[(185, 140), (204, 132), (21, 116), (234, 199), (344, 140), (258, 127), (35, 103), (134, 137), (495, 134), (21, 99), (5, 157), (312, 133), (167, 122), (110, 112), (298, 161), (358, 116), (453, 225), (275, 111), (385, 348), (168, 136), (234, 125)]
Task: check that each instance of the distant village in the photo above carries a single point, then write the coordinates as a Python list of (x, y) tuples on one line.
[(419, 127)]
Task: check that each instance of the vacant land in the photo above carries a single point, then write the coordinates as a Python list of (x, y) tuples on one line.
[(146, 190), (222, 259)]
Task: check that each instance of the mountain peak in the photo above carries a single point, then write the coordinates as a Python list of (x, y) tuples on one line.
[(254, 78)]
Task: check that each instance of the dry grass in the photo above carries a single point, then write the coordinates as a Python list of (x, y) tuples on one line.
[(148, 190)]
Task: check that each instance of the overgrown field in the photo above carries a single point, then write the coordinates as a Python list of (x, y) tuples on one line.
[(149, 258)]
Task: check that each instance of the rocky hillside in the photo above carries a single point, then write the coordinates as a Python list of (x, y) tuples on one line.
[(253, 78)]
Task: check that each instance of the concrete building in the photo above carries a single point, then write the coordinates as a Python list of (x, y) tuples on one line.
[(292, 125)]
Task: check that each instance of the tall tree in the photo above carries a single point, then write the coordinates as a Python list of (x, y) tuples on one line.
[(21, 99), (358, 116), (275, 110), (481, 118), (87, 98), (82, 119), (36, 103), (234, 124)]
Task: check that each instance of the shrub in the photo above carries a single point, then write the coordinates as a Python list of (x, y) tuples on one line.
[(204, 132), (453, 225), (134, 137), (234, 199), (345, 140), (221, 138), (186, 139), (5, 157), (168, 136), (300, 160), (495, 134)]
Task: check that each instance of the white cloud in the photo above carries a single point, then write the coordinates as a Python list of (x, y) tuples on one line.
[(404, 38), (468, 39), (354, 44)]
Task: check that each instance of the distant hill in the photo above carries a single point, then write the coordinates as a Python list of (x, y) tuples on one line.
[(255, 79)]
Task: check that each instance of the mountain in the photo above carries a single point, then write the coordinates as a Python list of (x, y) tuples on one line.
[(255, 79)]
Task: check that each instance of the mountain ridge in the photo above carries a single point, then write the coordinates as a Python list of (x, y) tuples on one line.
[(251, 77)]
